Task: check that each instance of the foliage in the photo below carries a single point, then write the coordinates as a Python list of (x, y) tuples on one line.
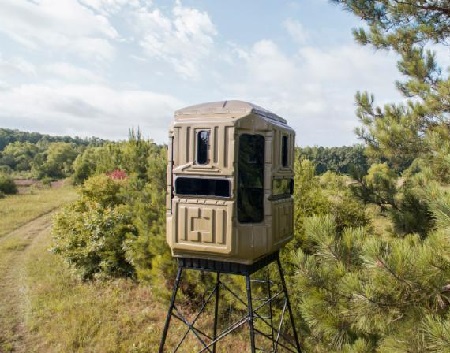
[(437, 167), (56, 162), (90, 233), (412, 213), (364, 292), (315, 195), (7, 185), (41, 156), (8, 136), (149, 252), (340, 160), (328, 194), (353, 287), (132, 156), (381, 181), (85, 165), (19, 155), (412, 137), (125, 181)]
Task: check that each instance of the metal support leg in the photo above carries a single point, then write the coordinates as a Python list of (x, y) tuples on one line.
[(169, 313), (250, 313), (263, 330), (269, 296), (216, 311), (283, 282)]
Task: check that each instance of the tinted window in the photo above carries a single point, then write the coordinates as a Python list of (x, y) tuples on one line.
[(202, 147), (251, 179), (284, 151), (202, 187)]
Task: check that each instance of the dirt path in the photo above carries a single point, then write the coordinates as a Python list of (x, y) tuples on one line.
[(14, 248)]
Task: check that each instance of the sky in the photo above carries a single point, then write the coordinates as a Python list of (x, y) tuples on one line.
[(102, 67)]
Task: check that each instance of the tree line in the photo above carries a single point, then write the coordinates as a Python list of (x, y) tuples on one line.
[(345, 160), (34, 155), (25, 155), (8, 136)]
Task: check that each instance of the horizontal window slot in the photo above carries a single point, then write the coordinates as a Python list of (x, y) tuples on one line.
[(202, 187)]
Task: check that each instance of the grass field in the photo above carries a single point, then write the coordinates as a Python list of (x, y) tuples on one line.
[(43, 308), (17, 210)]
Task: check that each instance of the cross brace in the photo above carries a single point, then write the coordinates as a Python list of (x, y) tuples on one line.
[(265, 316)]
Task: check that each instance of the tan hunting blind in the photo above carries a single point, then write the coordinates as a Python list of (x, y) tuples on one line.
[(230, 182), (229, 211)]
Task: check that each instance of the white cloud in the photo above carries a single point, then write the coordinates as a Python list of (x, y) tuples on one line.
[(111, 7), (183, 39), (63, 25), (71, 73), (314, 90), (267, 64), (91, 110), (87, 48), (296, 30), (347, 63), (16, 65)]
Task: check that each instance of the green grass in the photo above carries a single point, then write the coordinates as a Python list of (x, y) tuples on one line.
[(16, 210), (67, 315)]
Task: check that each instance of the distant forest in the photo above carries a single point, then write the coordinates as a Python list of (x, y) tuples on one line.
[(346, 160), (8, 136), (35, 155), (39, 156)]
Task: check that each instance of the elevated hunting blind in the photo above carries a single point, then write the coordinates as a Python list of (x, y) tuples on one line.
[(230, 182), (229, 211)]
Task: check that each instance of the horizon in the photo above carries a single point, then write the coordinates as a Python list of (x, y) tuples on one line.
[(147, 138)]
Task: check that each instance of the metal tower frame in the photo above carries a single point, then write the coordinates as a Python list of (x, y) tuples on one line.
[(273, 335)]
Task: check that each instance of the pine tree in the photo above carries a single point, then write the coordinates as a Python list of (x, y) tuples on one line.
[(409, 27), (386, 294), (360, 291)]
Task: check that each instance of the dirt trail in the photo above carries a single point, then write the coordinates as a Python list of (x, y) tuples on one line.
[(14, 248)]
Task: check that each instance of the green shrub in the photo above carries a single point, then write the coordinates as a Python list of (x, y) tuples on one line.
[(5, 169), (91, 232), (46, 181), (7, 185), (412, 215)]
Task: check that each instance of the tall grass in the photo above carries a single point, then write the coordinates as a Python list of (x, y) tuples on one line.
[(121, 316), (15, 213), (66, 315)]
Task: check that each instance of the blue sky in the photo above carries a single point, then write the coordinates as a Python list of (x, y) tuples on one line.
[(101, 67)]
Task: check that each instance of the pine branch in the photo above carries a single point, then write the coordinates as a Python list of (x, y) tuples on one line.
[(383, 264), (428, 7)]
